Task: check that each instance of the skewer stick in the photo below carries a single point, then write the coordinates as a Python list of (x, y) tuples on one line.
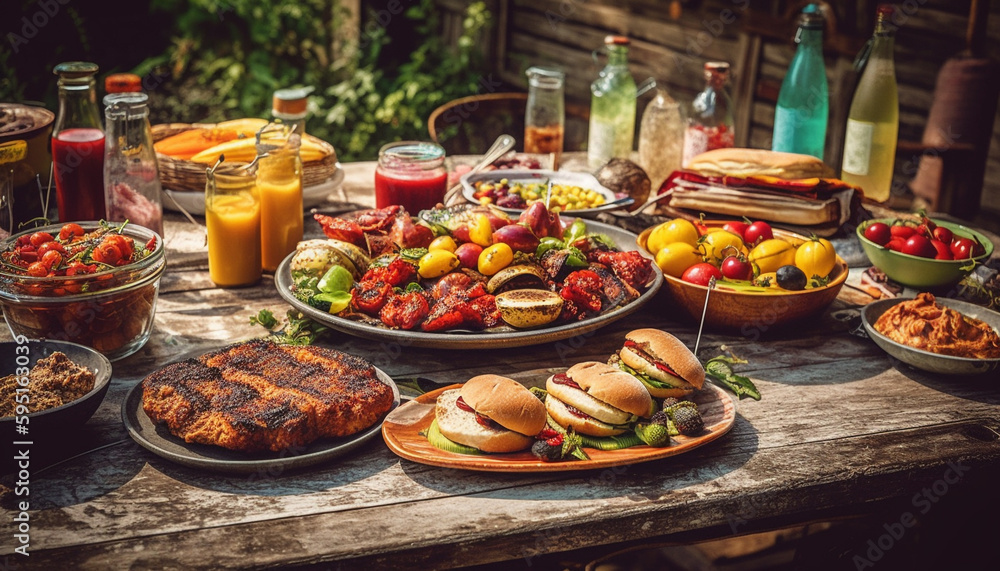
[(704, 310)]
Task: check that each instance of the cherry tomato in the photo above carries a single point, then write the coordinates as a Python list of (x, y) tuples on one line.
[(943, 234), (37, 270), (737, 227), (39, 238), (672, 231), (896, 244), (701, 273), (123, 243), (52, 246), (879, 233), (77, 267), (51, 259), (918, 245), (816, 258), (942, 249), (70, 231), (902, 231), (107, 253), (737, 268), (757, 232), (28, 254)]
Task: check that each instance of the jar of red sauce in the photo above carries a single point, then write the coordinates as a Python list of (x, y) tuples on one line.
[(411, 174)]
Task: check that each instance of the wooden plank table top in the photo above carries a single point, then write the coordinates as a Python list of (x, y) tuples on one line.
[(841, 429)]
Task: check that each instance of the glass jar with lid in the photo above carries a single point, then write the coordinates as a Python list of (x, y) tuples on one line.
[(131, 173), (411, 174)]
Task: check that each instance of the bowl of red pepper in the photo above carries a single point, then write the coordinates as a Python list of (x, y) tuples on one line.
[(92, 283)]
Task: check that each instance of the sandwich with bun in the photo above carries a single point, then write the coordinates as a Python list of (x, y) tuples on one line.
[(490, 413), (661, 362), (596, 399), (788, 188)]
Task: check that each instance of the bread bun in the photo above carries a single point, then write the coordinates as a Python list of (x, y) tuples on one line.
[(462, 427), (759, 162), (613, 386), (583, 425), (506, 402), (664, 349)]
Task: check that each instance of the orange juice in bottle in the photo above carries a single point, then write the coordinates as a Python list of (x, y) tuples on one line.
[(279, 182), (232, 214)]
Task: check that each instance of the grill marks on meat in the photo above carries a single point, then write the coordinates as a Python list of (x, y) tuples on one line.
[(259, 395)]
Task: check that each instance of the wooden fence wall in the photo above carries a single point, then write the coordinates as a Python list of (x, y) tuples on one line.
[(672, 39)]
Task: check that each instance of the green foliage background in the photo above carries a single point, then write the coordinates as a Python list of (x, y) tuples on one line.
[(228, 57)]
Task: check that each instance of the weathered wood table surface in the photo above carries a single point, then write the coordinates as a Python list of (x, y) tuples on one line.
[(841, 430)]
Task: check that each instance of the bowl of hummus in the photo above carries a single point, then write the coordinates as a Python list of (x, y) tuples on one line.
[(938, 335)]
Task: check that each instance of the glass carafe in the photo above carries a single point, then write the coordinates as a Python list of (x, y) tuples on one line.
[(545, 115), (131, 173), (78, 144), (232, 215), (279, 182)]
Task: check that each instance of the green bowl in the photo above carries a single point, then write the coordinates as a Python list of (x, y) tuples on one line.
[(917, 272)]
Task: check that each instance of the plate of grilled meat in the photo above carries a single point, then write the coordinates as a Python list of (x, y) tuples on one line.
[(258, 406)]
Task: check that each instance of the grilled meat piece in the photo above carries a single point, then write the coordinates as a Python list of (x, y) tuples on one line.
[(259, 395)]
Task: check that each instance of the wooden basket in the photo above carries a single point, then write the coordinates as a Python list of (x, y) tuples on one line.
[(189, 176)]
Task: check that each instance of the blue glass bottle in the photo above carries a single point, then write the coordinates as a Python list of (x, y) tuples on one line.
[(800, 118)]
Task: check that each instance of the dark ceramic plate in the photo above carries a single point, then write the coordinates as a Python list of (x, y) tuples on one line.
[(476, 339), (71, 414), (159, 441)]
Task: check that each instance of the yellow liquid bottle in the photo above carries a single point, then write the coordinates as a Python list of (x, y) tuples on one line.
[(873, 121), (279, 181), (232, 215)]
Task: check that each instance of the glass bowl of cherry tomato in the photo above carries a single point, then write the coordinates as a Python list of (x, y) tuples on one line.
[(923, 253), (92, 283)]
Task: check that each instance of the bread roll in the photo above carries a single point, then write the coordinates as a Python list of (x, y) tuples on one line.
[(506, 402), (759, 162), (664, 349), (462, 427)]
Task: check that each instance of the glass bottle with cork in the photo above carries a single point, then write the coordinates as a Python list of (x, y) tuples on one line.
[(710, 122), (279, 183), (131, 173), (661, 137), (232, 216), (612, 106), (873, 120), (800, 117), (545, 114), (78, 144)]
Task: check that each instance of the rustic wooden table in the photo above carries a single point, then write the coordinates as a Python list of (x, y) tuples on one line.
[(841, 430)]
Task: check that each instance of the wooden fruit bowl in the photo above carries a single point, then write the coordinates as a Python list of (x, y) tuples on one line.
[(751, 313)]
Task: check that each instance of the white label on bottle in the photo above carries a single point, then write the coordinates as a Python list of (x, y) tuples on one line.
[(601, 142), (858, 147)]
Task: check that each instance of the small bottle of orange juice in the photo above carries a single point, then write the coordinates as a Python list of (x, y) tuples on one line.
[(232, 214), (279, 182)]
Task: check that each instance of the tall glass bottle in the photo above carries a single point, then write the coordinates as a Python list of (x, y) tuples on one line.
[(801, 115), (131, 173), (661, 138), (78, 144), (710, 122), (873, 121), (279, 182), (612, 106), (545, 114)]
